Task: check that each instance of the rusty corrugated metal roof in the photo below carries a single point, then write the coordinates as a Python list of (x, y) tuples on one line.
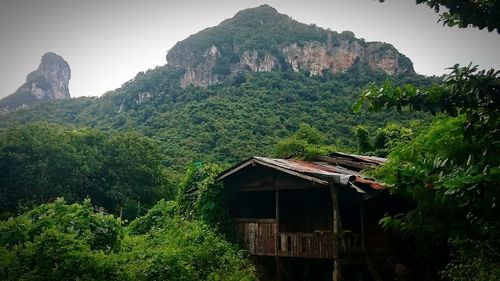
[(361, 158), (317, 168), (343, 168)]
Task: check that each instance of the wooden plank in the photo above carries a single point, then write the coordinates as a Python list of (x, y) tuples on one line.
[(294, 245), (269, 239), (284, 242), (272, 240), (278, 187), (315, 246), (258, 238)]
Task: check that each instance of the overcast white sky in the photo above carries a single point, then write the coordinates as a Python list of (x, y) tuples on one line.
[(106, 42)]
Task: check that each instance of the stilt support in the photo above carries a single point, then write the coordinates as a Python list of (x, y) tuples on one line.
[(336, 270)]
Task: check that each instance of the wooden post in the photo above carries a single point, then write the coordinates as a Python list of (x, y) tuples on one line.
[(362, 222), (336, 276), (278, 268), (277, 216), (336, 270), (276, 233)]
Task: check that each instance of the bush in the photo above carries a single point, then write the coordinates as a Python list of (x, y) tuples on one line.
[(183, 250), (58, 241)]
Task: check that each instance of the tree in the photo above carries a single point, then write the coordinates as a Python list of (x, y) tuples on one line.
[(385, 139), (307, 142), (455, 187), (466, 91), (363, 137), (60, 242), (203, 198), (451, 170), (41, 162)]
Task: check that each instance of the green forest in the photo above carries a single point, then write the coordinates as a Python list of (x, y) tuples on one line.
[(123, 186), (246, 115)]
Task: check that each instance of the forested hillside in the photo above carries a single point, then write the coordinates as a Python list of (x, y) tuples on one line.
[(246, 115)]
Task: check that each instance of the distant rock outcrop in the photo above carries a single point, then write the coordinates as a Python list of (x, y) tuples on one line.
[(262, 40), (49, 82)]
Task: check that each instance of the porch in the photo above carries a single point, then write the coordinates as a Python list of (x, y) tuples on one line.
[(262, 238)]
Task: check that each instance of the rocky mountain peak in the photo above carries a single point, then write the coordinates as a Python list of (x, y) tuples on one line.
[(53, 73), (48, 82), (261, 15), (261, 39)]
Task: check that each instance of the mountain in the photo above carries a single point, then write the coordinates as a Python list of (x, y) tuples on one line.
[(235, 90), (262, 40), (48, 82)]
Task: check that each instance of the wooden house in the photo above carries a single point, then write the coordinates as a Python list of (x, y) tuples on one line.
[(305, 211)]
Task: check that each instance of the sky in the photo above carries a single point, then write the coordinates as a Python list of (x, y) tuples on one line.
[(107, 42)]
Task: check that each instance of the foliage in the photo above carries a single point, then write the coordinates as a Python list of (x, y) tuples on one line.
[(60, 242), (306, 143), (40, 162), (468, 91), (184, 250), (229, 122), (481, 14), (71, 242), (203, 198), (159, 216), (415, 168), (166, 246), (452, 170), (385, 139), (472, 262)]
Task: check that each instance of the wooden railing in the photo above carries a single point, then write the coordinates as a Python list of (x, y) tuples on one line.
[(261, 238), (353, 242), (306, 245), (258, 235)]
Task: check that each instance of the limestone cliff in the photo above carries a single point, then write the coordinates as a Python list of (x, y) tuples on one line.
[(261, 39), (48, 82)]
